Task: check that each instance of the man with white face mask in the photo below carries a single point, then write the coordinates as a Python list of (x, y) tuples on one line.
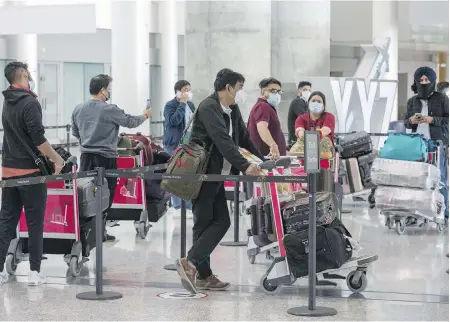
[(298, 107), (177, 114), (263, 123)]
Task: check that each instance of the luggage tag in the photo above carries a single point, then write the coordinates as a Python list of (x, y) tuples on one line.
[(354, 246)]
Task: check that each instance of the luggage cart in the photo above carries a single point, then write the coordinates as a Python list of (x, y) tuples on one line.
[(279, 272), (266, 244), (61, 229), (401, 218), (130, 201)]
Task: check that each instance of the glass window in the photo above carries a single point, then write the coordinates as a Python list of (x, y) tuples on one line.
[(91, 70), (74, 88)]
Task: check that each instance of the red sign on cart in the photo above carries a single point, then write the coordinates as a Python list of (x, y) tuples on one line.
[(129, 191), (59, 215)]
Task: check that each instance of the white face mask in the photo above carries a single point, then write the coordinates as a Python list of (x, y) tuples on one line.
[(306, 95), (190, 95), (241, 97), (32, 85), (316, 107)]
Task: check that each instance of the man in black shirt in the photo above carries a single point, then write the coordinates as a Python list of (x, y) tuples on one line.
[(298, 107)]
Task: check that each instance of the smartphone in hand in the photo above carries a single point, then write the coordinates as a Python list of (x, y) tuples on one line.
[(418, 115), (149, 104)]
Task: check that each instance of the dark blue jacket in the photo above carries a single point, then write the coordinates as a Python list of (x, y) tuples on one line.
[(174, 122)]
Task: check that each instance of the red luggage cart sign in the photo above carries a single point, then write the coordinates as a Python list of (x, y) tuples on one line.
[(129, 191), (59, 220)]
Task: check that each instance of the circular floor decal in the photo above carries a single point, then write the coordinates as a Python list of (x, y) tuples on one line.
[(182, 295)]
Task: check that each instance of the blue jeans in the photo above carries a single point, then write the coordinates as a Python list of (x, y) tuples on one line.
[(176, 202), (432, 146)]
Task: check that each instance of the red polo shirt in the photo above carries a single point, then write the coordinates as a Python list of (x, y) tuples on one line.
[(326, 119), (264, 112)]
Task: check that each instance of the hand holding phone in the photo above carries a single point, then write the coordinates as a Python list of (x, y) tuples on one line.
[(149, 104)]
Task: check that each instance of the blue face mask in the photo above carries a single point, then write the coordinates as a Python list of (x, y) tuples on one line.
[(274, 99), (316, 107)]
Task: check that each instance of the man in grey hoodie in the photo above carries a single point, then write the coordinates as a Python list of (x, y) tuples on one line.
[(96, 125)]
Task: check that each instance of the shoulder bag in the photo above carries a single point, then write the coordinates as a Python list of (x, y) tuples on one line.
[(189, 158), (42, 162)]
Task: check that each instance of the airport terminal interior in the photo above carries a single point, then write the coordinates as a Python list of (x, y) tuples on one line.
[(362, 55)]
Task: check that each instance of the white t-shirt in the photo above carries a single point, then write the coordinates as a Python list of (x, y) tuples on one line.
[(227, 165), (424, 128)]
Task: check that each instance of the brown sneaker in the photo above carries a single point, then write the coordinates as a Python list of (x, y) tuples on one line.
[(187, 274), (211, 283)]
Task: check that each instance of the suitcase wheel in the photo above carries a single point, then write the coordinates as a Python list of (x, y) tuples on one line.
[(357, 281)]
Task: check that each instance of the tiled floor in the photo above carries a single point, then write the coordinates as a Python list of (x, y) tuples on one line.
[(407, 283)]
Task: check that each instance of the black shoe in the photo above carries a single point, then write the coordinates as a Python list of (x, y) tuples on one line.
[(109, 239)]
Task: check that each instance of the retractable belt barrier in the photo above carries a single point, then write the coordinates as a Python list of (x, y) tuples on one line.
[(371, 134)]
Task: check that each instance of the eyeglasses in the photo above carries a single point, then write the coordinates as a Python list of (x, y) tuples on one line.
[(275, 91)]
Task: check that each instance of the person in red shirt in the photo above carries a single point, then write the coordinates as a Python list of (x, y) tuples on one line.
[(317, 118), (263, 123)]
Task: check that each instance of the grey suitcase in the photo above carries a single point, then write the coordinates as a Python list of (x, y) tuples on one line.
[(86, 197)]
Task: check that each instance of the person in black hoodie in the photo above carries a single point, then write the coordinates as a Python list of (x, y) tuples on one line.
[(427, 114), (22, 122), (218, 122)]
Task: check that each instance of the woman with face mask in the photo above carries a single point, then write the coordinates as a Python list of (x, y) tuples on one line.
[(316, 118)]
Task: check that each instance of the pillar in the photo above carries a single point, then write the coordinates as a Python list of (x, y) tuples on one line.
[(227, 34), (384, 26), (23, 48), (169, 49), (130, 57), (299, 52)]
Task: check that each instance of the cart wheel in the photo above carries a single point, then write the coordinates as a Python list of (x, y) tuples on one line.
[(389, 223), (371, 199), (11, 265), (142, 230), (424, 225), (400, 227), (440, 227), (251, 259), (75, 267), (266, 286), (358, 287)]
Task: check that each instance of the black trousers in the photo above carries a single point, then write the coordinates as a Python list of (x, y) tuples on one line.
[(90, 161), (33, 199), (211, 222)]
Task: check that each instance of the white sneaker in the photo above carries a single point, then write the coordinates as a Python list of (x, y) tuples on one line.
[(4, 277), (35, 278)]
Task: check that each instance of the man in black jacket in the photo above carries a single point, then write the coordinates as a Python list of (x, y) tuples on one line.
[(219, 123), (22, 124), (298, 107), (427, 114)]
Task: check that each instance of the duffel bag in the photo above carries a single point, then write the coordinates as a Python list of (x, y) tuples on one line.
[(296, 212), (355, 144), (332, 248), (405, 147)]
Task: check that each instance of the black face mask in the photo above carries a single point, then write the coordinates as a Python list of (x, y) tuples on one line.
[(425, 90)]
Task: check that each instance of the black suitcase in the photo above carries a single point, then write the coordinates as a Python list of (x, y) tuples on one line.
[(355, 144), (258, 225), (296, 212), (365, 164), (332, 249), (87, 235)]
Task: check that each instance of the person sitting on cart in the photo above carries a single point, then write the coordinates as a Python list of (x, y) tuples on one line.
[(96, 124), (219, 124), (427, 114), (317, 118)]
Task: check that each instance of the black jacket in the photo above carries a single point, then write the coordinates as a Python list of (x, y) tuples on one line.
[(21, 110), (298, 107), (212, 126), (437, 109)]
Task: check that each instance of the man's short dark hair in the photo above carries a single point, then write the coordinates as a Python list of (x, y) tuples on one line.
[(303, 84), (441, 86), (11, 70), (98, 83), (227, 77), (180, 84), (267, 81)]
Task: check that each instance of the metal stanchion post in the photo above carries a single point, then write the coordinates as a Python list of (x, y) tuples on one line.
[(99, 295), (312, 167), (236, 241), (68, 137), (173, 267)]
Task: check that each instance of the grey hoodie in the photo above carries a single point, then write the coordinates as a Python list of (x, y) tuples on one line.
[(96, 125)]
